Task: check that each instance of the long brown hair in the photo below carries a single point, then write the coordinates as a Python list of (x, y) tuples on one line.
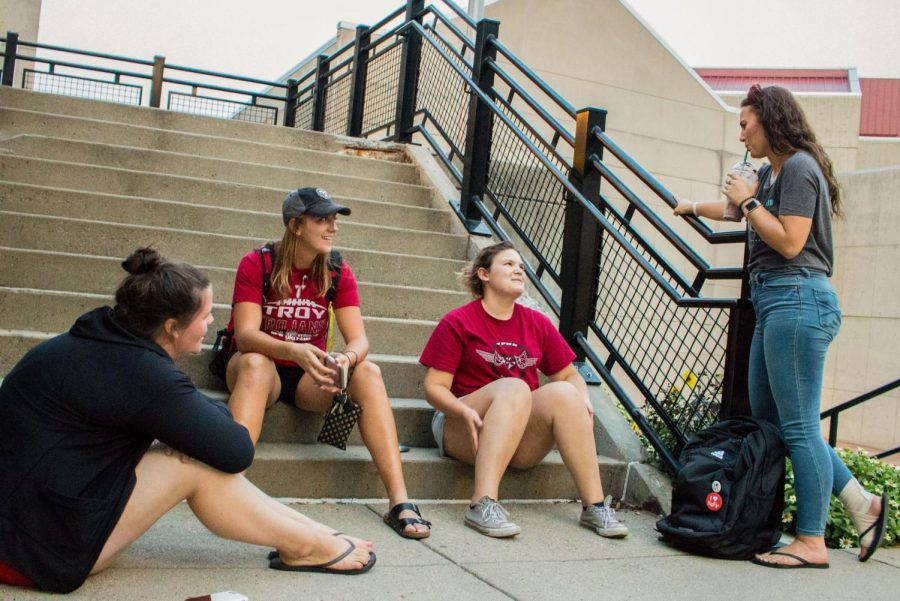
[(284, 262), (788, 131)]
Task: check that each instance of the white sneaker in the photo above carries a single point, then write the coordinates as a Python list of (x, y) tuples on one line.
[(488, 517), (602, 520)]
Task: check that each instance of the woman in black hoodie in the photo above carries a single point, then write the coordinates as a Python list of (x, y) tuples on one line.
[(80, 475)]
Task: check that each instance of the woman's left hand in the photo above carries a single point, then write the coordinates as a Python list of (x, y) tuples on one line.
[(737, 190)]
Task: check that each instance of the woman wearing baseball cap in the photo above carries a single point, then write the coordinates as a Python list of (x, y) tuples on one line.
[(280, 326)]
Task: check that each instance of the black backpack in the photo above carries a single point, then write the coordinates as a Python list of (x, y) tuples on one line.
[(223, 347), (729, 494)]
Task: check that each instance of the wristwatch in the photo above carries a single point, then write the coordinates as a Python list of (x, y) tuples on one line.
[(750, 205)]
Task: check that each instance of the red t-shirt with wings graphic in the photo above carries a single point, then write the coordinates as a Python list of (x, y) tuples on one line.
[(478, 349)]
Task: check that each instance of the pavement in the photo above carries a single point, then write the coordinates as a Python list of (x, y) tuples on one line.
[(553, 558)]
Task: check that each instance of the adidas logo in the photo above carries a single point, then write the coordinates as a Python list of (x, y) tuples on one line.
[(718, 454)]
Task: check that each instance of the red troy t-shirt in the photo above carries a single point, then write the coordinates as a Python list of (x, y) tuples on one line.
[(478, 349), (303, 316)]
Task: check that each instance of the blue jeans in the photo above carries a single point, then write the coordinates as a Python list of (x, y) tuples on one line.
[(797, 317)]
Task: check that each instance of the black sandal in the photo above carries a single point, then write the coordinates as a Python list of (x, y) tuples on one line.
[(392, 518)]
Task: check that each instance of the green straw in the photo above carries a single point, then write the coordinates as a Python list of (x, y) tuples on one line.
[(745, 154)]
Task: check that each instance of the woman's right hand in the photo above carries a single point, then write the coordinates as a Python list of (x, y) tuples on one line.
[(311, 359), (473, 424), (684, 207)]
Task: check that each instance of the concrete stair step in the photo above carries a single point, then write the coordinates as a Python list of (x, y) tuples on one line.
[(287, 424), (315, 470), (21, 268), (258, 165), (156, 119), (402, 374), (430, 282), (263, 218), (148, 184), (55, 311), (20, 230)]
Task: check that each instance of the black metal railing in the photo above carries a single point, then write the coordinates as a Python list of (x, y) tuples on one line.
[(632, 294), (833, 414), (134, 81)]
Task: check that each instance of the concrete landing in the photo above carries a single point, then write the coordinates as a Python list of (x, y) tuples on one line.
[(553, 558)]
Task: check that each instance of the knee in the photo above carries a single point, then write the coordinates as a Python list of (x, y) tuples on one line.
[(255, 363), (512, 393), (367, 371)]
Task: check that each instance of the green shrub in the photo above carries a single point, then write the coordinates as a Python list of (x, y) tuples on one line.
[(876, 476)]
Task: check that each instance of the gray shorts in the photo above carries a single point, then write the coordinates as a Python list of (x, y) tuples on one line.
[(437, 428)]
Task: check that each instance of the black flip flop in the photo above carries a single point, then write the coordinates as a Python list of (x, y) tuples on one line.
[(789, 566), (274, 552), (323, 568), (392, 518), (879, 530)]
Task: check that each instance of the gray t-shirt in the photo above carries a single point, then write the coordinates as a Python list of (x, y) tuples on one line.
[(802, 190)]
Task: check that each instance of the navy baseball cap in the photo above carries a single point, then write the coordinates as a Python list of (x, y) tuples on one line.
[(310, 201)]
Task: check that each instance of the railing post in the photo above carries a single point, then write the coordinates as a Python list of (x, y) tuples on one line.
[(477, 155), (409, 75), (159, 65), (290, 103), (358, 83), (322, 66), (581, 246), (741, 322), (9, 58)]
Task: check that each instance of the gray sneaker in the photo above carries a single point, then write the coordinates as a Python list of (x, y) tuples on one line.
[(488, 517), (603, 520)]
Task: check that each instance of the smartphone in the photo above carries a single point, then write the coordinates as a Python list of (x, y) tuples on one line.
[(340, 371)]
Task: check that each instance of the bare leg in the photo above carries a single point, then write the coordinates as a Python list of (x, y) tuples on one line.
[(558, 417), (377, 427), (504, 406), (228, 505), (254, 387)]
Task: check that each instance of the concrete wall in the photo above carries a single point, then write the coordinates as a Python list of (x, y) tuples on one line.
[(864, 356), (877, 152)]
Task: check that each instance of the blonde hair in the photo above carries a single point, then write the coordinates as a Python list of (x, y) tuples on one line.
[(284, 262)]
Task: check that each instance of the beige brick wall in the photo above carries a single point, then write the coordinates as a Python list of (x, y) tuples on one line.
[(864, 355)]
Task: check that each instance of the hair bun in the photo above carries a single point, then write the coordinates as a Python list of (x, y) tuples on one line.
[(142, 260)]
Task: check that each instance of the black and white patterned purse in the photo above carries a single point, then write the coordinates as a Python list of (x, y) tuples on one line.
[(339, 421)]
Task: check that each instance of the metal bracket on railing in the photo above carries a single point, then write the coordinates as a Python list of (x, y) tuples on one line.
[(475, 227), (589, 375)]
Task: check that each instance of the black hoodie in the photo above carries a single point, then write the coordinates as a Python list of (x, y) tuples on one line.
[(77, 413)]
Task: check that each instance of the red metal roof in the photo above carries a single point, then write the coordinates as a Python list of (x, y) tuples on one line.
[(879, 114), (796, 80)]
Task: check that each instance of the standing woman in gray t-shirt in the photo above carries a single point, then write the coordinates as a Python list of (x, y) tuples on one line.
[(789, 216)]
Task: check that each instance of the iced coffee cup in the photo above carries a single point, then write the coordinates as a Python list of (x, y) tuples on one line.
[(747, 172)]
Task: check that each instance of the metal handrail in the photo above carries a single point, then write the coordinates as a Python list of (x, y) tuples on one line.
[(708, 234), (439, 16), (534, 78), (530, 101), (833, 414), (576, 194), (460, 13)]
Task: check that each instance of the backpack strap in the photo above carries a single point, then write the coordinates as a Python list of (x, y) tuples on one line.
[(266, 249), (335, 263)]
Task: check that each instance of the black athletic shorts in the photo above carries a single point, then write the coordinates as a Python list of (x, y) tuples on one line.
[(290, 378)]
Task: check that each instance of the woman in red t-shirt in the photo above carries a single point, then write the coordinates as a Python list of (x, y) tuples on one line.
[(281, 341), (482, 362)]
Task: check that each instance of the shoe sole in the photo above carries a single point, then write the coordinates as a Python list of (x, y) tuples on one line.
[(493, 532), (604, 535)]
